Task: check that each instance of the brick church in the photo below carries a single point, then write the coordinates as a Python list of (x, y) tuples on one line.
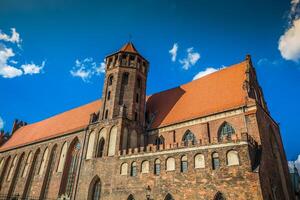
[(209, 139)]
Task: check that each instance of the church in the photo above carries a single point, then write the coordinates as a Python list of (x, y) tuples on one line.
[(210, 139)]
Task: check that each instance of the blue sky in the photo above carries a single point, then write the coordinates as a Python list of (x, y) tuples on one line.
[(50, 60)]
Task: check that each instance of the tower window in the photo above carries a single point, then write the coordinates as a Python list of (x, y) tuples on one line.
[(131, 58), (137, 97), (110, 80), (109, 61), (125, 78), (108, 95), (138, 83), (106, 114), (135, 116)]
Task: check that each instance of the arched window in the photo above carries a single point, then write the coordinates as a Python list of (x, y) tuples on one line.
[(101, 148), (4, 169), (47, 178), (62, 157), (130, 197), (145, 167), (110, 80), (169, 197), (232, 158), (124, 138), (112, 141), (225, 131), (101, 143), (184, 163), (124, 169), (219, 196), (159, 141), (125, 78), (215, 160), (96, 190), (189, 137), (15, 175), (90, 148), (170, 164), (199, 161), (70, 169), (133, 139), (157, 167), (133, 171), (27, 163), (12, 168), (1, 165), (43, 162)]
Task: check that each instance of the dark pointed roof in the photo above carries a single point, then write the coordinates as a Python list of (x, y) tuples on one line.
[(129, 47)]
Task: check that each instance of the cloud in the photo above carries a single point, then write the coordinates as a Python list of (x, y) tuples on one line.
[(173, 52), (1, 123), (267, 62), (33, 68), (14, 38), (191, 59), (289, 42), (207, 71), (86, 68), (7, 68)]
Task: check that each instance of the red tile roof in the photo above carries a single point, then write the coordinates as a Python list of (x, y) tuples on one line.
[(216, 92), (129, 47)]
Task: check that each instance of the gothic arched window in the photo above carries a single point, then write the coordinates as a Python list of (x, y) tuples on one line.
[(70, 168), (27, 163), (110, 80), (157, 167), (130, 197), (133, 171), (184, 164), (219, 196), (48, 174), (4, 169), (12, 168), (43, 162), (232, 158), (15, 175), (124, 138), (189, 137), (112, 141), (90, 147), (159, 141), (215, 160), (62, 157), (101, 144), (96, 190), (169, 197), (225, 131)]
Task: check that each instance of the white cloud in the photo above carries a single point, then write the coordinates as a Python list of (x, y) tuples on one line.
[(1, 123), (33, 68), (173, 52), (6, 70), (14, 38), (191, 59), (267, 62), (289, 42), (86, 68), (207, 71)]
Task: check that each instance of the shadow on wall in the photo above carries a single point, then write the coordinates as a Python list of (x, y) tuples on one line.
[(159, 105)]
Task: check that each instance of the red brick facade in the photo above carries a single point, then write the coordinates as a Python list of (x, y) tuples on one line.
[(131, 149)]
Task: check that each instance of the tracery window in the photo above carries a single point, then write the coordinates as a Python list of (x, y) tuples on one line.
[(62, 158), (100, 151), (96, 190), (27, 163), (226, 131), (184, 163), (12, 168), (189, 137), (159, 141)]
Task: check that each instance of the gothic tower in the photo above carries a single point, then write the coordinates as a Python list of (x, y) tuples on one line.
[(124, 90)]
